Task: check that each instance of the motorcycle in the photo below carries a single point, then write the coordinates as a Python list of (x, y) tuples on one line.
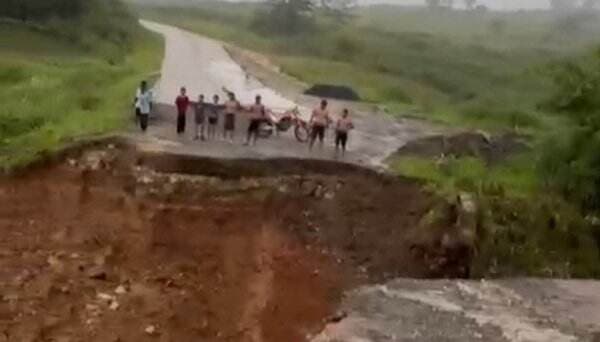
[(282, 123)]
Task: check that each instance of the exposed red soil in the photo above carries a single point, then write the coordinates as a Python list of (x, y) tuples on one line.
[(193, 258)]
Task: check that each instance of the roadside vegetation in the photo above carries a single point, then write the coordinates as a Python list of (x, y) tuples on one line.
[(67, 74), (534, 74)]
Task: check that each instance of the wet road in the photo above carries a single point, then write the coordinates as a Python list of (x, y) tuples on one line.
[(203, 66)]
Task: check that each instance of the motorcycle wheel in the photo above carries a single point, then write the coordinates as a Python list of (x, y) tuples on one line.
[(301, 133)]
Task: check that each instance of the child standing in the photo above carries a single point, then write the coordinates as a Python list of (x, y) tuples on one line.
[(213, 117), (199, 117), (342, 127)]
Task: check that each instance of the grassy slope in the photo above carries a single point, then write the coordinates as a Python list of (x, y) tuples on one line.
[(52, 90)]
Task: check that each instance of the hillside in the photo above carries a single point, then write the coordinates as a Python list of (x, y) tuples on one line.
[(69, 77)]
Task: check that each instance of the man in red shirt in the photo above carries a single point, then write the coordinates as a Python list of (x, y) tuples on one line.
[(182, 102)]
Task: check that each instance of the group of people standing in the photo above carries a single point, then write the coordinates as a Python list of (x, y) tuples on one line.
[(206, 117)]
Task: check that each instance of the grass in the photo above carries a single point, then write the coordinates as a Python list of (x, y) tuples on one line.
[(515, 177), (53, 90)]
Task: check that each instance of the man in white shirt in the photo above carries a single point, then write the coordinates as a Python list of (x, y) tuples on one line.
[(143, 105)]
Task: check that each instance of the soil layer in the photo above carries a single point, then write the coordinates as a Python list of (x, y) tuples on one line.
[(104, 247)]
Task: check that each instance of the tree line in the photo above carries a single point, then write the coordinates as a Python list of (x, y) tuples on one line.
[(559, 5), (40, 10)]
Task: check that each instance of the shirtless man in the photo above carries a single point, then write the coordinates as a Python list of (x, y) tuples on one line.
[(232, 106), (318, 122), (258, 115), (342, 127)]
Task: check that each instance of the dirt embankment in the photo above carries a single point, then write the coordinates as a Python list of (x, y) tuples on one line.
[(103, 247)]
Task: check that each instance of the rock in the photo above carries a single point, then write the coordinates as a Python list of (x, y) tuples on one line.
[(56, 264), (105, 297), (319, 191), (114, 306), (97, 273), (120, 290), (150, 330), (72, 162), (337, 317), (467, 202)]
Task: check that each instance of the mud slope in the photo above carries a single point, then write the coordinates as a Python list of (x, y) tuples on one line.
[(102, 247)]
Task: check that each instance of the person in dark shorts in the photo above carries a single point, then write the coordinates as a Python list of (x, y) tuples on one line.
[(319, 121), (200, 118), (136, 100), (182, 102), (213, 117), (342, 127), (144, 106), (232, 106), (258, 115)]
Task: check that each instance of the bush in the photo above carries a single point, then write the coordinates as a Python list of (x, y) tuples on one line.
[(11, 75), (571, 165)]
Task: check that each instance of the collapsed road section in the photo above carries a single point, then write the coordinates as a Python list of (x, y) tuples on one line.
[(112, 244)]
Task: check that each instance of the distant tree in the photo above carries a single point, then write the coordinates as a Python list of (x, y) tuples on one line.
[(498, 26), (38, 10), (433, 3), (590, 4), (285, 16), (340, 10), (448, 3), (562, 5), (470, 4), (481, 8)]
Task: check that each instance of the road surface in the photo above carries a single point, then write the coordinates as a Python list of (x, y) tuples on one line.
[(203, 66), (520, 310)]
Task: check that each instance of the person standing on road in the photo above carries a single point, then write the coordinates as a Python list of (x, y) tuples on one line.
[(136, 101), (258, 115), (182, 102), (232, 106), (143, 105), (199, 118), (342, 127), (213, 117), (319, 120)]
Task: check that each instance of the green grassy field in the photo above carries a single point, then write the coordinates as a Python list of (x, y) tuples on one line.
[(53, 89)]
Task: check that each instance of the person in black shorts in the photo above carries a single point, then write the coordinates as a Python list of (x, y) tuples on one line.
[(257, 117), (319, 120), (200, 118), (232, 106), (213, 117), (342, 127)]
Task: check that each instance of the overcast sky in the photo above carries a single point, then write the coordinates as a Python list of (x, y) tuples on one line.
[(496, 4)]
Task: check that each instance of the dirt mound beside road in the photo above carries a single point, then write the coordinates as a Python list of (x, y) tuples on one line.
[(97, 249), (333, 92)]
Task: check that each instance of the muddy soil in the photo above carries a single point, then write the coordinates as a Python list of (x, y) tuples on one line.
[(103, 246)]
